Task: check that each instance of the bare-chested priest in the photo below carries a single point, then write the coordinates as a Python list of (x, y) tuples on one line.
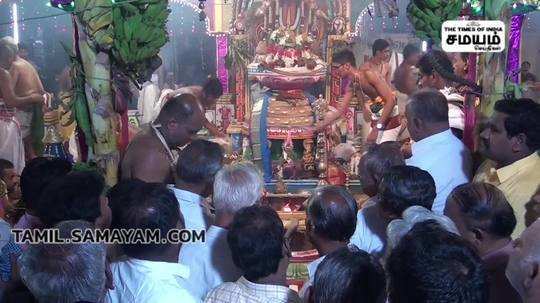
[(380, 111), (11, 143), (150, 157), (26, 81), (406, 75)]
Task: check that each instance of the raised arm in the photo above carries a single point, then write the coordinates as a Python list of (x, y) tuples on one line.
[(385, 91), (212, 129), (6, 88)]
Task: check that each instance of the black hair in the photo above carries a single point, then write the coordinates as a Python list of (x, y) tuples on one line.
[(332, 212), (429, 105), (484, 206), (349, 275), (199, 162), (5, 164), (379, 45), (404, 186), (409, 50), (75, 196), (343, 57), (523, 118), (256, 239), (525, 62), (213, 88), (438, 61), (123, 192), (180, 108), (380, 157), (151, 206), (37, 174), (430, 264)]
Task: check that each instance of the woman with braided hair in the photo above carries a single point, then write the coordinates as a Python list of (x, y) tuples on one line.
[(437, 72)]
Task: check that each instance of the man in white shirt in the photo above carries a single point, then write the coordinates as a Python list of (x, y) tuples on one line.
[(435, 148), (151, 272), (235, 187), (259, 248), (197, 165), (331, 220), (370, 228)]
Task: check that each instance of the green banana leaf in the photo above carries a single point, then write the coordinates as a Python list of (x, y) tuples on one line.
[(79, 104), (36, 130)]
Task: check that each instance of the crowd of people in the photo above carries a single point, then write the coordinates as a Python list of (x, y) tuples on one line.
[(437, 227), (427, 234)]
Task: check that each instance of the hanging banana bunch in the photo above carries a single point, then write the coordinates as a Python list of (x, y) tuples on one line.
[(139, 33), (427, 16), (96, 18), (73, 106)]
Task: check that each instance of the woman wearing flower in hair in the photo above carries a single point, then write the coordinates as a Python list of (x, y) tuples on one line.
[(437, 72)]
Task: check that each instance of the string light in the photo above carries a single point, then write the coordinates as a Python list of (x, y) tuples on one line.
[(196, 9), (360, 21), (15, 16), (424, 46)]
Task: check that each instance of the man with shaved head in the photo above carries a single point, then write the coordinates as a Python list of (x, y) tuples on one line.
[(150, 156), (331, 221)]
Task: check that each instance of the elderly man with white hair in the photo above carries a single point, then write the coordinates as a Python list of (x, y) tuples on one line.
[(65, 273), (235, 186)]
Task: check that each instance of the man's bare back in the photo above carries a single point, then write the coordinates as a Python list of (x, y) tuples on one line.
[(405, 79), (147, 159)]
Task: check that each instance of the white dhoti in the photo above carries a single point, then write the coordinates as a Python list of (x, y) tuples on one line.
[(25, 121), (393, 125), (388, 135), (11, 144)]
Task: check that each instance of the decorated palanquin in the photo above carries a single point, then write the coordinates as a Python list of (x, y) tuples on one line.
[(290, 112), (279, 50), (282, 45)]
